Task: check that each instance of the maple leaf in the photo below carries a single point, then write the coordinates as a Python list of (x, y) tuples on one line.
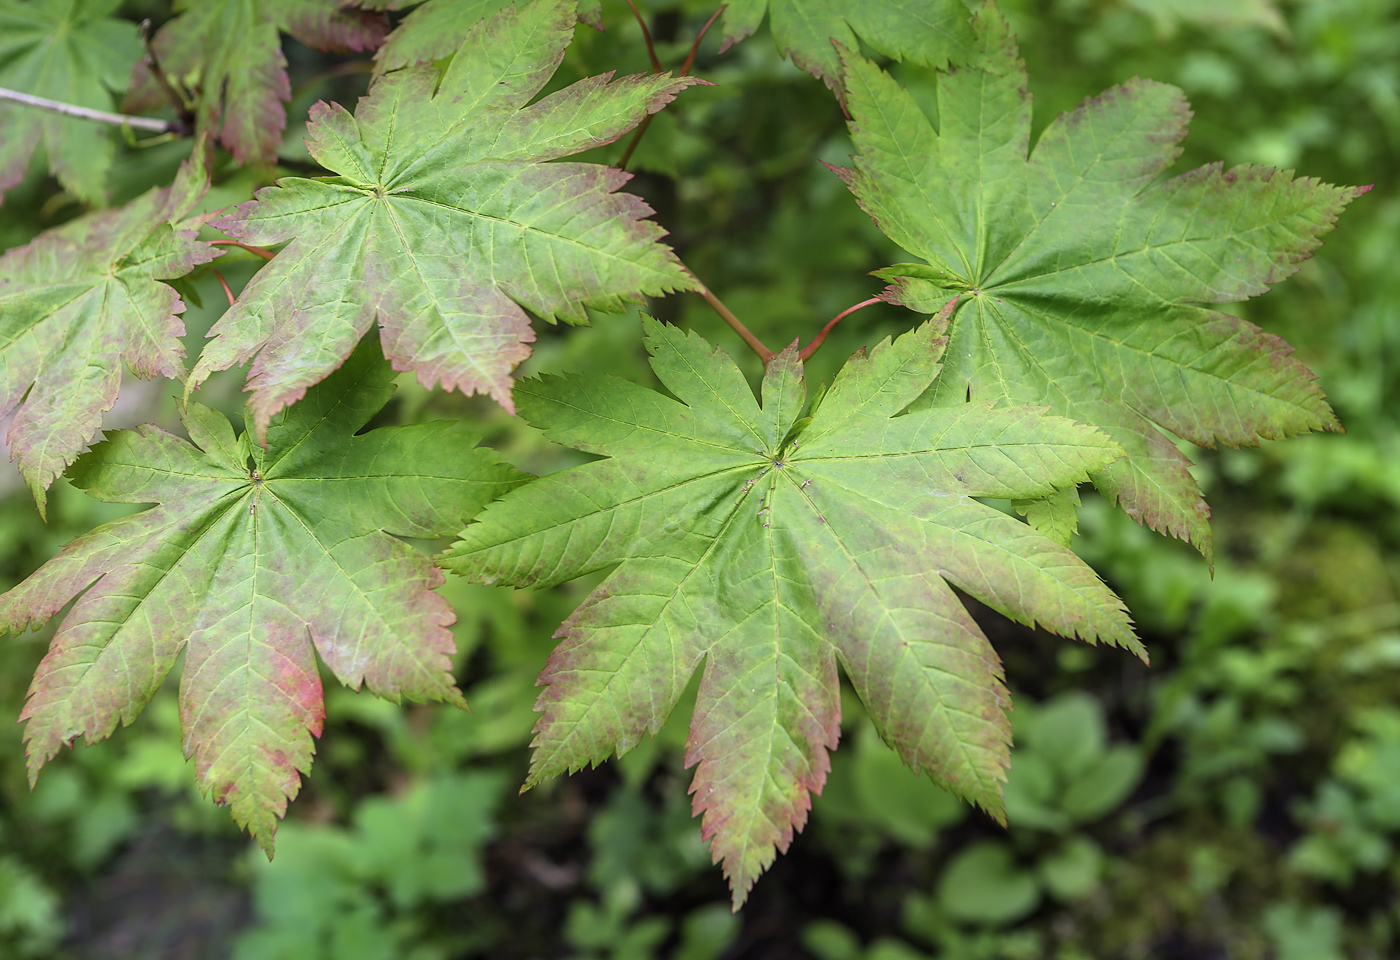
[(434, 30), (774, 548), (929, 32), (67, 50), (79, 299), (443, 222), (1085, 283), (253, 557), (230, 52)]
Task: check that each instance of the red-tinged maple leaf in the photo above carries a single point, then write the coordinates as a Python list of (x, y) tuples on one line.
[(229, 53), (774, 547), (443, 222), (253, 558), (80, 299)]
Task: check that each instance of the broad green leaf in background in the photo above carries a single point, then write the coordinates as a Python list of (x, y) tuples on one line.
[(434, 30), (443, 222), (1170, 15), (1084, 283), (985, 884), (229, 52), (80, 299), (772, 548), (1056, 516), (68, 50), (928, 32), (252, 558)]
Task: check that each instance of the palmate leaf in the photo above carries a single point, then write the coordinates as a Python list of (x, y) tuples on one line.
[(71, 51), (443, 223), (79, 300), (775, 548), (1085, 283), (928, 32), (435, 29), (230, 52), (252, 558)]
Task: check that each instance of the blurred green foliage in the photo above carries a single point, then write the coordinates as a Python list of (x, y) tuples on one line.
[(1241, 798)]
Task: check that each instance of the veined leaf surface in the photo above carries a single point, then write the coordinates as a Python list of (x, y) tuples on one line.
[(929, 32), (774, 548), (1084, 282), (80, 299), (435, 29), (253, 558), (444, 223)]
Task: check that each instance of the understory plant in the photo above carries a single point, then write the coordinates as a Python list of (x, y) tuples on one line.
[(1064, 303)]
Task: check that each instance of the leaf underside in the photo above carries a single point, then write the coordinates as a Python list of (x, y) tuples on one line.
[(79, 300), (1085, 282), (929, 32), (774, 548), (444, 224), (72, 52), (251, 559), (229, 52)]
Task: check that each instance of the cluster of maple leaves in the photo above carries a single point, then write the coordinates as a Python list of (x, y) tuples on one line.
[(1071, 336)]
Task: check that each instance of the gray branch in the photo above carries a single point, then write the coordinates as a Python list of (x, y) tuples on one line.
[(84, 113)]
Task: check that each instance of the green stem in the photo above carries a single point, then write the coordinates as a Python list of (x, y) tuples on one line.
[(183, 106)]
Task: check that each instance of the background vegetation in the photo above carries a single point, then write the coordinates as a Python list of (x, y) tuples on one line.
[(1239, 799)]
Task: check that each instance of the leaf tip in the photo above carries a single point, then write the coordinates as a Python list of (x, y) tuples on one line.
[(34, 761), (265, 842), (39, 490)]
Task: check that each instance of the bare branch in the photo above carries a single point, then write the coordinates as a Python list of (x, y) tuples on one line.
[(85, 113)]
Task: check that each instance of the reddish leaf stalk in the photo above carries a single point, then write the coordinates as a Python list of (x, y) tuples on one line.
[(685, 72), (755, 344), (632, 145), (224, 283), (646, 35), (820, 338), (695, 47), (265, 254)]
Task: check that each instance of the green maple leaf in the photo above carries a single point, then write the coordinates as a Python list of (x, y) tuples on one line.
[(775, 548), (230, 53), (1085, 282), (252, 558), (1056, 516), (81, 298), (434, 30), (443, 223), (67, 50), (929, 32)]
